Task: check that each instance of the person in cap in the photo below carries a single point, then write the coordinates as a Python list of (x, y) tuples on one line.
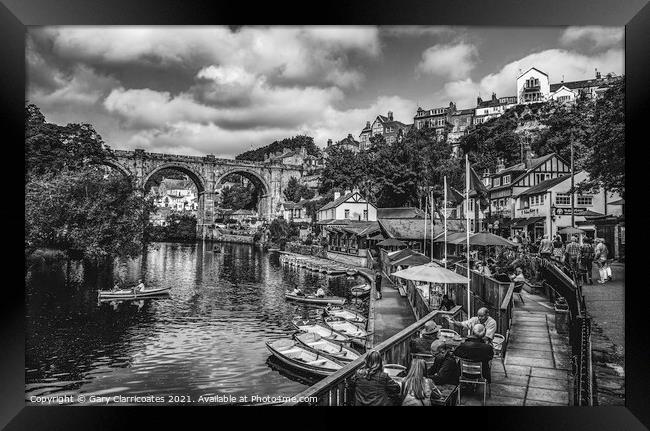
[(444, 370), (572, 253), (475, 350), (482, 317), (429, 334)]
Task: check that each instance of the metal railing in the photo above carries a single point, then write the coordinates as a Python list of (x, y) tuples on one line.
[(336, 389), (565, 281)]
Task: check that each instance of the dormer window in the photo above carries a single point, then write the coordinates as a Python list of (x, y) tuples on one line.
[(496, 182), (506, 179)]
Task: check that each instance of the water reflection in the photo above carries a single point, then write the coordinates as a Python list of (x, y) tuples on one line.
[(207, 338)]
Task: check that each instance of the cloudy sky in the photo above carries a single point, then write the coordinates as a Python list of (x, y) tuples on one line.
[(222, 91)]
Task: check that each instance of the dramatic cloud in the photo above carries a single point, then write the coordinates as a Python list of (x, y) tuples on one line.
[(598, 37), (300, 54), (451, 61), (558, 64)]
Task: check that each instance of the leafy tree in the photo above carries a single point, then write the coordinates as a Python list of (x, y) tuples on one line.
[(181, 227), (72, 201), (238, 197), (292, 143), (296, 192)]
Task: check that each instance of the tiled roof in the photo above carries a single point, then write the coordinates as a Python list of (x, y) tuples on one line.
[(530, 70), (292, 205), (331, 221), (335, 203), (409, 229), (544, 185), (403, 212), (572, 85), (468, 111)]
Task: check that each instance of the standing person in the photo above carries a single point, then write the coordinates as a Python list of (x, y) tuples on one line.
[(545, 247), (378, 284), (587, 260), (601, 253), (558, 248), (416, 388), (572, 253), (372, 386)]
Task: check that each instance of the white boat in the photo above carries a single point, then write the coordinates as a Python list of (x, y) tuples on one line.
[(321, 329), (292, 353), (124, 294), (323, 346), (347, 314), (346, 328), (360, 290), (313, 299)]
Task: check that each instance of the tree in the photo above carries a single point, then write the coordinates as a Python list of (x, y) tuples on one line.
[(73, 201), (292, 143), (295, 192), (605, 160), (239, 197)]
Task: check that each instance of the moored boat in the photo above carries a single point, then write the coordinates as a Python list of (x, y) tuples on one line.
[(313, 299), (348, 329), (351, 272), (292, 353), (325, 347), (346, 314), (318, 327), (124, 294), (360, 290)]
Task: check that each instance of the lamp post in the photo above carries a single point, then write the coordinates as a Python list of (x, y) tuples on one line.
[(572, 181)]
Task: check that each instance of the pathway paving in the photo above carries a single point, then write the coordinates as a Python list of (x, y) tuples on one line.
[(392, 313), (537, 361), (606, 305)]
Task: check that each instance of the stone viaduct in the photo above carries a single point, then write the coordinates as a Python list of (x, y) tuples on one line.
[(207, 172)]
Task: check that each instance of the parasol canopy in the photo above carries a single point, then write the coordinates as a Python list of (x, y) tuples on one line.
[(571, 230), (414, 259), (484, 238), (391, 242), (451, 236), (432, 273)]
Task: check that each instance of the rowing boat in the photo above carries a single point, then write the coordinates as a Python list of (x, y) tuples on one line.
[(360, 290), (313, 299), (346, 328), (335, 271), (292, 353), (347, 314), (318, 327), (128, 293), (315, 342)]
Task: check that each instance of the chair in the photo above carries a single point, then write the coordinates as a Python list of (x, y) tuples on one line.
[(472, 372), (518, 286), (499, 344)]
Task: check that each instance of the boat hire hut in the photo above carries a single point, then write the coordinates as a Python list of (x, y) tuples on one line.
[(349, 243)]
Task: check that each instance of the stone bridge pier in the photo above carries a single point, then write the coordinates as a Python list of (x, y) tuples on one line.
[(270, 179)]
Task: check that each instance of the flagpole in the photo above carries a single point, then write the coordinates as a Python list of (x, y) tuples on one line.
[(469, 312), (445, 215), (431, 214), (424, 237)]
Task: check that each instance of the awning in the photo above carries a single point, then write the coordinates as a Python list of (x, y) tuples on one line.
[(451, 236), (377, 237), (526, 221)]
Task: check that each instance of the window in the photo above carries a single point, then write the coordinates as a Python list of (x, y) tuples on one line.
[(524, 202), (347, 214), (502, 202), (506, 179), (542, 177), (585, 200), (471, 204), (496, 182), (365, 214), (532, 82), (562, 199), (564, 98)]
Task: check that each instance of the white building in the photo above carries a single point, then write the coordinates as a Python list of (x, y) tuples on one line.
[(295, 212), (351, 206), (533, 87), (495, 107), (549, 204), (177, 195)]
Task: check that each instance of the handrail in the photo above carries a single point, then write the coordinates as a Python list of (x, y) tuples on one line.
[(349, 369), (506, 299)]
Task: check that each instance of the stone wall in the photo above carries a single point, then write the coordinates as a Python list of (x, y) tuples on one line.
[(241, 239), (348, 259), (307, 250)]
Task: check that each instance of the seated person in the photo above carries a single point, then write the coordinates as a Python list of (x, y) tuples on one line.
[(428, 335), (476, 350), (297, 292), (116, 287), (446, 303), (518, 277), (482, 317), (140, 287), (444, 370), (320, 292)]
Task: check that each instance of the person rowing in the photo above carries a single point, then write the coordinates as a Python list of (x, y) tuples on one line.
[(139, 288), (297, 292), (320, 292), (116, 287)]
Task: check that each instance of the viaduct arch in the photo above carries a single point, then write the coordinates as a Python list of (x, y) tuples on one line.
[(207, 172)]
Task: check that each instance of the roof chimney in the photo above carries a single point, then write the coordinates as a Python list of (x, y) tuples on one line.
[(347, 192), (350, 137), (478, 101), (597, 74), (368, 124), (494, 97), (329, 142), (337, 195), (390, 115)]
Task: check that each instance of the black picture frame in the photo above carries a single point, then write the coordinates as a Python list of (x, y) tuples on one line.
[(634, 14)]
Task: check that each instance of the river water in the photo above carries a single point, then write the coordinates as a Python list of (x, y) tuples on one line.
[(206, 339)]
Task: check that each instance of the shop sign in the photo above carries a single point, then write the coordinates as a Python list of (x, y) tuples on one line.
[(529, 211), (567, 211)]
